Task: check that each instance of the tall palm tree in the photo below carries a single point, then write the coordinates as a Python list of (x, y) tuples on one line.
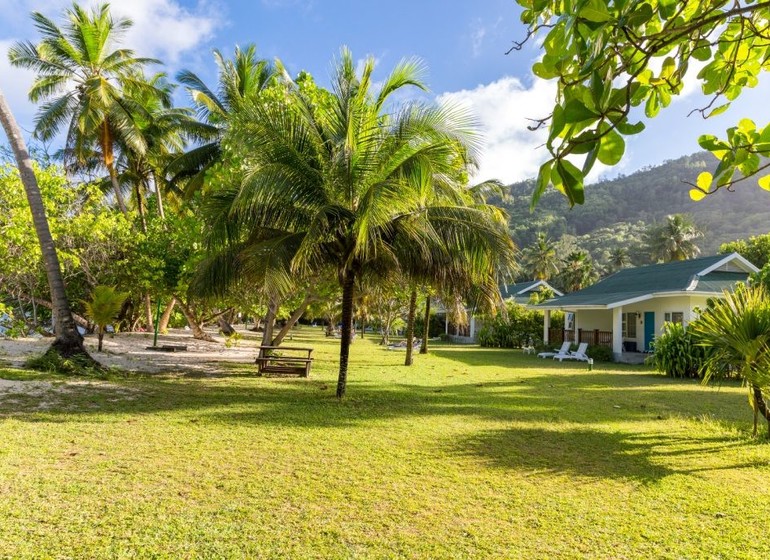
[(67, 341), (81, 82), (540, 259), (736, 333), (675, 239), (618, 259), (240, 79), (329, 180), (578, 271)]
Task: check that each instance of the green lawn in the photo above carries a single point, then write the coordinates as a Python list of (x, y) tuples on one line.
[(471, 453)]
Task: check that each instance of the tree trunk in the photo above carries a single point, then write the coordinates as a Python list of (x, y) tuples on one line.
[(761, 406), (100, 337), (68, 341), (272, 311), (166, 316), (148, 313), (409, 360), (159, 196), (116, 187), (348, 291), (140, 207), (292, 320), (192, 320), (226, 328), (426, 328)]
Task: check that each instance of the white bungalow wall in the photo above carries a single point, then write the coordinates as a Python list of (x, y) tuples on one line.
[(602, 319)]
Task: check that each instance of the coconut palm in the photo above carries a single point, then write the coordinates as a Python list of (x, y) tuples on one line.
[(332, 179), (578, 271), (105, 304), (81, 82), (618, 259), (67, 341), (674, 240), (736, 333), (540, 259), (240, 79)]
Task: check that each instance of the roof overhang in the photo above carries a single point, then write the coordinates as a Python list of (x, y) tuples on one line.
[(731, 258)]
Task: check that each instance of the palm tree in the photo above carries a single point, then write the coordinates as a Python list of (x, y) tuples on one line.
[(240, 79), (67, 342), (578, 271), (674, 240), (540, 259), (331, 179), (105, 304), (81, 82), (736, 333), (618, 259)]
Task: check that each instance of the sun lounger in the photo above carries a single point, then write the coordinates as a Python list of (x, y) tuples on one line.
[(563, 350), (579, 354)]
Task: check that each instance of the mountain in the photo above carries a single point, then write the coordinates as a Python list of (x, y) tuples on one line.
[(618, 211)]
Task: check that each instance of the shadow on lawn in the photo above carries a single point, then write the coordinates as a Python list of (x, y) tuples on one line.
[(559, 399)]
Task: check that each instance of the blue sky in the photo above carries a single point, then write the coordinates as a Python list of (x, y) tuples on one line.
[(463, 44)]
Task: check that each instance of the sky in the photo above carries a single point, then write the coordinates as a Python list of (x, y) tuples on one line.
[(462, 43)]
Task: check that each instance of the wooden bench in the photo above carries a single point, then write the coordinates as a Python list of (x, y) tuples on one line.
[(297, 363)]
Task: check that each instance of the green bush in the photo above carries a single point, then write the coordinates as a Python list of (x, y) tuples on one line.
[(516, 329), (676, 354), (600, 353)]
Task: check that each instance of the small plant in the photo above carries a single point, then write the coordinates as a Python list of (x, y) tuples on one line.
[(105, 304), (233, 340)]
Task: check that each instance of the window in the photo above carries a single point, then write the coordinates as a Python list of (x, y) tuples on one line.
[(674, 317), (629, 325)]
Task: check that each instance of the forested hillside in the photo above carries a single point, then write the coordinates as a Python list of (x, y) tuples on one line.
[(618, 211)]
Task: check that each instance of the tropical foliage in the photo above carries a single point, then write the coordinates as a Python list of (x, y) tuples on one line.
[(608, 58), (676, 352)]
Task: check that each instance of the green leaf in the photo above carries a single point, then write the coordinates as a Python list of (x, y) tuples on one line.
[(697, 195), (572, 181), (719, 110), (575, 111), (652, 107), (611, 148), (543, 180), (639, 16), (628, 129), (595, 12), (704, 181), (764, 182)]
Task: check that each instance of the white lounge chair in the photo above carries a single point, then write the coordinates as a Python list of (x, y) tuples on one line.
[(403, 344), (579, 354), (564, 349)]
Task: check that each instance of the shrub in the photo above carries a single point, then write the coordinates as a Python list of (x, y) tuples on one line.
[(676, 354), (600, 353), (516, 329)]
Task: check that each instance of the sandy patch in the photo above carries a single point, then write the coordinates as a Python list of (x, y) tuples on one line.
[(129, 351)]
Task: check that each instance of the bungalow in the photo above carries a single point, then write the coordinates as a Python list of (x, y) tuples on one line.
[(519, 293), (626, 310), (523, 291)]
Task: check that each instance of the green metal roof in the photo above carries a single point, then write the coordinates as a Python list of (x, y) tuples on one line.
[(632, 283), (513, 289)]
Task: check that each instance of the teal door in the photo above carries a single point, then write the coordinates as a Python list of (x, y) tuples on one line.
[(649, 329)]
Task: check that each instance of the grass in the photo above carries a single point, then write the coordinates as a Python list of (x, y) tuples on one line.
[(471, 453)]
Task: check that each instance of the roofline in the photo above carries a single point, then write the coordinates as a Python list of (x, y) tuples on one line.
[(630, 301), (731, 257), (534, 285)]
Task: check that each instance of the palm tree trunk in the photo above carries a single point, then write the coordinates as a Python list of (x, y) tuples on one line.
[(426, 328), (140, 207), (272, 311), (116, 187), (348, 291), (68, 341), (166, 315), (292, 320), (409, 360), (159, 196), (100, 337)]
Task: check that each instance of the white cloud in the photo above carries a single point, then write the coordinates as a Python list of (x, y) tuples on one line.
[(478, 32), (162, 28), (504, 109)]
